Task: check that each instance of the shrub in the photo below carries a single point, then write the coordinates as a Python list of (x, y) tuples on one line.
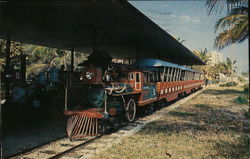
[(241, 100), (246, 87), (229, 84), (241, 79)]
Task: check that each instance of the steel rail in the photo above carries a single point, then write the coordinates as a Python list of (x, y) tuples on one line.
[(36, 147), (74, 147)]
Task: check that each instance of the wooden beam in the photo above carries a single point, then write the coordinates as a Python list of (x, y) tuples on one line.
[(7, 69), (72, 59)]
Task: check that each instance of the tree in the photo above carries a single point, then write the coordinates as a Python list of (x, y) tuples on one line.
[(16, 49), (42, 58), (229, 67), (203, 55), (39, 58), (213, 71), (245, 74), (219, 5), (233, 28)]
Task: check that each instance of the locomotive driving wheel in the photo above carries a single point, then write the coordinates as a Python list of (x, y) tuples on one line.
[(130, 110)]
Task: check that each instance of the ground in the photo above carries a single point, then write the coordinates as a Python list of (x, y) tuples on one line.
[(211, 125), (26, 136)]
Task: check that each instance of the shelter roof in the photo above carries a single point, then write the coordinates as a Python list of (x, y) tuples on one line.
[(154, 63), (159, 63), (115, 26)]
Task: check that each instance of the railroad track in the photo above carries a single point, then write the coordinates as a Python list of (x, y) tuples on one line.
[(54, 149), (30, 149), (63, 147), (89, 146)]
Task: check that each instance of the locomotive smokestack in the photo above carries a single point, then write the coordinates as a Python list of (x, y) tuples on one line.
[(99, 58)]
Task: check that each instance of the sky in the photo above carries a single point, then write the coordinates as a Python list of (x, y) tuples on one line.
[(189, 21)]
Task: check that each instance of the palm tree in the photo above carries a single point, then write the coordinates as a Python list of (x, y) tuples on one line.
[(203, 55), (220, 5), (42, 58), (233, 28), (16, 49), (229, 67)]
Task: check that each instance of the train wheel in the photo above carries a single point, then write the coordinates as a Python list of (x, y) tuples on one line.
[(130, 110), (104, 127), (150, 109), (160, 104)]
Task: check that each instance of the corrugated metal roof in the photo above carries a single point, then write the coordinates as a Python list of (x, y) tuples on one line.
[(159, 63), (154, 63)]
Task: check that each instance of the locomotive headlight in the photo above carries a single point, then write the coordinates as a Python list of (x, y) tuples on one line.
[(89, 75)]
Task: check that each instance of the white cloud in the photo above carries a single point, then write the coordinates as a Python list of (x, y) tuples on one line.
[(187, 19), (196, 20)]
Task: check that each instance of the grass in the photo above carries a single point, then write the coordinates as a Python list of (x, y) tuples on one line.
[(210, 125), (246, 87), (229, 84), (241, 100)]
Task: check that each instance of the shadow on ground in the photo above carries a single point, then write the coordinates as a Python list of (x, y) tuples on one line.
[(239, 149), (30, 134), (225, 91), (206, 120)]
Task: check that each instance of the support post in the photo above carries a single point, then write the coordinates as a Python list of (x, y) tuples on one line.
[(7, 69), (72, 59), (163, 75), (179, 79), (66, 99), (171, 74), (168, 75), (66, 93), (175, 72), (23, 66)]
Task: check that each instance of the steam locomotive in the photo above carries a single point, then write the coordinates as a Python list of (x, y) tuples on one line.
[(113, 92)]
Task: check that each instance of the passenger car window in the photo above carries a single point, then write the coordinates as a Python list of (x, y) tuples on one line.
[(137, 77)]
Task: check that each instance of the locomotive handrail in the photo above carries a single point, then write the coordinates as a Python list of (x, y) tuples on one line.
[(116, 89)]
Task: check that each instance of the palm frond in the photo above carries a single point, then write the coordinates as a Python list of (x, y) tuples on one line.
[(236, 30), (239, 10), (242, 28), (57, 62), (36, 68), (202, 54), (227, 22), (215, 6)]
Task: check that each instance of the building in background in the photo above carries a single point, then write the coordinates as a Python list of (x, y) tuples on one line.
[(215, 58)]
